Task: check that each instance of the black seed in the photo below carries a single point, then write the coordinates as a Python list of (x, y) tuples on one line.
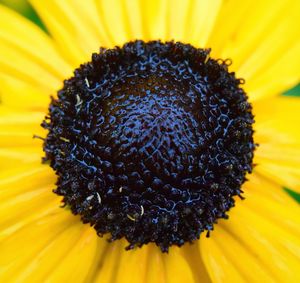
[(150, 142)]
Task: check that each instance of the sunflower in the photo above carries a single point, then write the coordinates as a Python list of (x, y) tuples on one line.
[(41, 241)]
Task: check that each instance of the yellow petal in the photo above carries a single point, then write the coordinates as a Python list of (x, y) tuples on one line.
[(19, 95), (23, 245), (139, 265), (228, 20), (280, 120), (49, 257), (114, 20), (277, 77), (188, 21), (25, 177), (16, 221), (276, 247), (154, 14), (24, 204), (29, 56), (268, 198), (260, 241), (25, 199), (155, 266), (278, 135), (136, 22), (108, 264), (218, 265), (75, 27), (18, 128), (271, 190), (176, 20), (200, 21), (132, 265), (246, 33), (9, 157), (80, 259), (192, 255), (231, 260), (26, 193), (177, 268), (286, 175)]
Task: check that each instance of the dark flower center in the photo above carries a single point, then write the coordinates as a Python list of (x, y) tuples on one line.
[(150, 142)]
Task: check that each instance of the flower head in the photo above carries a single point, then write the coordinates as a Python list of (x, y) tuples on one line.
[(152, 142)]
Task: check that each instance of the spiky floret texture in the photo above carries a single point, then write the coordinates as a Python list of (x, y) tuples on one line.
[(150, 142)]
